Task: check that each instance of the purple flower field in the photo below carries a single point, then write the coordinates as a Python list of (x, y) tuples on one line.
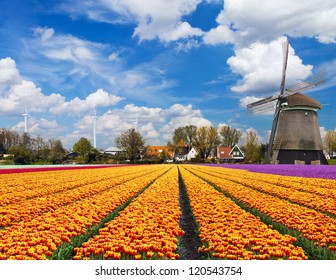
[(312, 171)]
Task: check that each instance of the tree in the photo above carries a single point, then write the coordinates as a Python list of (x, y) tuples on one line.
[(262, 152), (83, 148), (56, 152), (132, 143), (206, 140), (190, 134), (230, 136), (251, 147), (21, 154), (330, 142), (186, 133)]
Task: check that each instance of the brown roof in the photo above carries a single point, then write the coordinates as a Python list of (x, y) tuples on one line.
[(299, 99), (224, 152), (156, 150)]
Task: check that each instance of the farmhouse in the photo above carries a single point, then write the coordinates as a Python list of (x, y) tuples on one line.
[(192, 154), (181, 152), (227, 154), (113, 151), (158, 151)]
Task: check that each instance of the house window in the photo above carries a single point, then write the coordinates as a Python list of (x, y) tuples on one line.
[(222, 152)]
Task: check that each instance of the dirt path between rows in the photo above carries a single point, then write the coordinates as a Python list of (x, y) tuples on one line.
[(190, 241)]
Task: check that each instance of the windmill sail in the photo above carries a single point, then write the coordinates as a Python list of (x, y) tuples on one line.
[(277, 110), (261, 102), (284, 65), (315, 80)]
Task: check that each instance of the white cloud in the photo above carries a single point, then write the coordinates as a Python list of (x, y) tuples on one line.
[(155, 19), (19, 91), (67, 47), (44, 33), (156, 124), (42, 126), (256, 20), (260, 66), (219, 35), (8, 73), (81, 61), (100, 98)]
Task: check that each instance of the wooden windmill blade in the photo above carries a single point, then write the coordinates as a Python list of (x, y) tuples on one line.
[(315, 80), (273, 132), (262, 102), (285, 46)]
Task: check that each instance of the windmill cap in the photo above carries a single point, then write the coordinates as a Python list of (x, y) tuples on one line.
[(299, 99)]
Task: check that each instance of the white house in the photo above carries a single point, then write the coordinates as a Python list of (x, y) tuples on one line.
[(113, 151), (192, 154)]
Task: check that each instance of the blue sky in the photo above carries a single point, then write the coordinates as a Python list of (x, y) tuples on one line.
[(166, 63)]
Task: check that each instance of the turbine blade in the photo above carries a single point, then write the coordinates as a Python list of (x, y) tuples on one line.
[(24, 104)]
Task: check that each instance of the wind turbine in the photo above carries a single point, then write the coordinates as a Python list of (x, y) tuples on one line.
[(136, 123), (94, 118), (25, 116)]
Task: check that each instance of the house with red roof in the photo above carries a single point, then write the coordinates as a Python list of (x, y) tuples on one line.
[(232, 155)]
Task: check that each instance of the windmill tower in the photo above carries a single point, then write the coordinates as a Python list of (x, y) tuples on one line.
[(25, 117), (94, 118), (136, 123), (295, 136)]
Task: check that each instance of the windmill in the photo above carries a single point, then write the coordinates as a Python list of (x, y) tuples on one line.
[(94, 118), (295, 135), (25, 117)]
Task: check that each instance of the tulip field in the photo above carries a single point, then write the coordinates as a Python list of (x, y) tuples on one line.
[(166, 212)]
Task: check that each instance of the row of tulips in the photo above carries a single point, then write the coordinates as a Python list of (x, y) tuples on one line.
[(16, 188), (314, 225), (303, 183), (297, 170), (27, 210), (147, 229), (40, 237), (323, 201), (324, 187), (229, 232)]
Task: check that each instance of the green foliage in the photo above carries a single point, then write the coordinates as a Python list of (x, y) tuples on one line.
[(332, 161), (186, 134), (21, 154), (330, 142), (132, 143), (31, 150), (251, 148), (56, 152), (83, 148), (230, 136), (206, 140)]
